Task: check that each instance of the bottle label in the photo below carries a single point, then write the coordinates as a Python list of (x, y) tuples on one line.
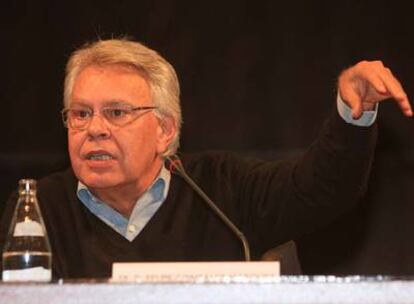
[(28, 228), (38, 274)]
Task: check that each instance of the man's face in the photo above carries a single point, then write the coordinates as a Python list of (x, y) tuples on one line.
[(105, 156)]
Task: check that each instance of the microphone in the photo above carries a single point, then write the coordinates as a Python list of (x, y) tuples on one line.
[(175, 165)]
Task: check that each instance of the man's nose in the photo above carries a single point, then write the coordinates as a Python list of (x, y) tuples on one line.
[(98, 127)]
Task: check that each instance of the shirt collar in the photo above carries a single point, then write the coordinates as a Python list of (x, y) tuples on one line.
[(145, 208)]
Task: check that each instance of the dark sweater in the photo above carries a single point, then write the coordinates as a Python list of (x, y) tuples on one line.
[(271, 202)]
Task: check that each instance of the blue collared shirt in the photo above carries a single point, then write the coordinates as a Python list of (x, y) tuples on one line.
[(145, 207), (148, 204)]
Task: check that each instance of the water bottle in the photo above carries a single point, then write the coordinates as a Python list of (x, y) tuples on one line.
[(26, 254)]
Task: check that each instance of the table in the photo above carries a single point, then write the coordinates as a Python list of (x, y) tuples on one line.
[(302, 289)]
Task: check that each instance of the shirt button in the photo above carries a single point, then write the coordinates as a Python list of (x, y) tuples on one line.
[(132, 228)]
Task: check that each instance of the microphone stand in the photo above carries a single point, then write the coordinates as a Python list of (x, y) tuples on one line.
[(175, 165)]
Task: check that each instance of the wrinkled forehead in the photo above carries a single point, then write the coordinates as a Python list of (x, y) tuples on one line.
[(120, 67)]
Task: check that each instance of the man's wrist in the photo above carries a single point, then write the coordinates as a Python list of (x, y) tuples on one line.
[(367, 118)]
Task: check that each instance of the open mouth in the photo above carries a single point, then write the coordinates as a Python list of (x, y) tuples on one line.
[(99, 156)]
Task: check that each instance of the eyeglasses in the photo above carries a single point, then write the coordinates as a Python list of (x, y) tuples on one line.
[(120, 115)]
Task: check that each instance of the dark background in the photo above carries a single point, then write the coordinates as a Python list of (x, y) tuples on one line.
[(258, 78)]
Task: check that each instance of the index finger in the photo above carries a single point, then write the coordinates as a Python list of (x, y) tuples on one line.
[(396, 91)]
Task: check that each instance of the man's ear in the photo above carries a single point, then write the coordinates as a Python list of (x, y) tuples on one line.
[(166, 133)]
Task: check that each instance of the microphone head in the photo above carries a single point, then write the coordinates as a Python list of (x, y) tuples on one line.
[(174, 165)]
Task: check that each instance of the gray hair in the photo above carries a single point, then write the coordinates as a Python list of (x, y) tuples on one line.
[(160, 75)]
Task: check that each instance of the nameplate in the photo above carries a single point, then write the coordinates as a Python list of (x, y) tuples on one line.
[(194, 272)]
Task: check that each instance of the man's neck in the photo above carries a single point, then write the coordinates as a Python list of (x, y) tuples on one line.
[(123, 198)]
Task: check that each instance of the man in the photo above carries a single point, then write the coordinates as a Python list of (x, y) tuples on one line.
[(118, 202)]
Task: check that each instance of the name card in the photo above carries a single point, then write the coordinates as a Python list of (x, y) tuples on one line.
[(194, 272)]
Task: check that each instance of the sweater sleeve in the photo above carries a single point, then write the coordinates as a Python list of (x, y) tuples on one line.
[(279, 201)]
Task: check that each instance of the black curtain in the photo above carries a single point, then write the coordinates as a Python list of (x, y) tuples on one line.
[(258, 78)]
